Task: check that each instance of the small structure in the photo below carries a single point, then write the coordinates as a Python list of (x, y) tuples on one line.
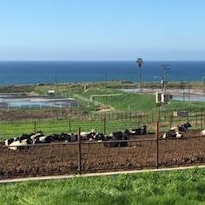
[(51, 92), (85, 86), (163, 98), (180, 114)]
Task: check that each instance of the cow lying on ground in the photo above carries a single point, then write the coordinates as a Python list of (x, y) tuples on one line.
[(20, 144), (184, 127), (88, 135), (39, 137), (137, 131), (172, 133), (113, 140)]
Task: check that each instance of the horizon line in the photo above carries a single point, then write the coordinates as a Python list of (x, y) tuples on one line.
[(52, 60)]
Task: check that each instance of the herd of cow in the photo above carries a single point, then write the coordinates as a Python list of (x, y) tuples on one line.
[(39, 137), (115, 139)]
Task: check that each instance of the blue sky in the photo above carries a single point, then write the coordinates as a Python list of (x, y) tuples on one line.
[(102, 30)]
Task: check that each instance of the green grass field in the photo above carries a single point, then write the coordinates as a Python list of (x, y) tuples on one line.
[(136, 102), (164, 188), (48, 126), (17, 128), (124, 102)]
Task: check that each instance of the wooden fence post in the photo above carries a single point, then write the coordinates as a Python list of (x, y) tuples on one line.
[(157, 144), (79, 152), (35, 127), (152, 117), (104, 125), (196, 119), (159, 114), (69, 122), (201, 119), (171, 121)]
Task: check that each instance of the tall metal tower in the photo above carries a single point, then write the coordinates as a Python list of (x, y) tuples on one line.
[(165, 68)]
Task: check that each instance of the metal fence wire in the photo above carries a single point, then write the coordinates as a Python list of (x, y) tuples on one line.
[(106, 123), (93, 156)]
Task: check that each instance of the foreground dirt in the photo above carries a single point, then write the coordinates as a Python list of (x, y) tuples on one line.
[(59, 159)]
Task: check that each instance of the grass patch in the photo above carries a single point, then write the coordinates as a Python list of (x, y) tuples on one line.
[(191, 107), (124, 101), (135, 102), (170, 187), (17, 128)]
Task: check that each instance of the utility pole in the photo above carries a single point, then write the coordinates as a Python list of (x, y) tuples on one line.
[(56, 82), (183, 93), (165, 68), (139, 62)]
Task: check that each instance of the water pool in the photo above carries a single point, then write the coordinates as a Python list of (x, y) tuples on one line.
[(36, 102)]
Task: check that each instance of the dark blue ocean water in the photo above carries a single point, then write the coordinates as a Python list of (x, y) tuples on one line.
[(69, 72)]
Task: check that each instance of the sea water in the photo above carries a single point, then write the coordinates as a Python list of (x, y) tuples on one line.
[(33, 72)]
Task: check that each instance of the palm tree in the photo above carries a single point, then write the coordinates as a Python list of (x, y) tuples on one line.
[(139, 62)]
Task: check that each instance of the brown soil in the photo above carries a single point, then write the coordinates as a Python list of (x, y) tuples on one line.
[(18, 114), (58, 159)]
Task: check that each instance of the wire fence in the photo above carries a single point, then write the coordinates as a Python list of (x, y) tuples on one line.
[(85, 157), (105, 123)]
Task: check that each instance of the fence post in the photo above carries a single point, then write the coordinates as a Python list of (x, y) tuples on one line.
[(159, 114), (196, 119), (104, 125), (171, 121), (157, 144), (152, 117), (79, 152), (201, 119), (35, 127), (69, 122)]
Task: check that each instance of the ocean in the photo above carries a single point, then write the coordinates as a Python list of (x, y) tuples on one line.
[(33, 72)]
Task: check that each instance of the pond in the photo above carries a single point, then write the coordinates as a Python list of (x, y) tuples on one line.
[(192, 98), (25, 102)]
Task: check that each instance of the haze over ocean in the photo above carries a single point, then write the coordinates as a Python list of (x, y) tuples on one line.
[(32, 72)]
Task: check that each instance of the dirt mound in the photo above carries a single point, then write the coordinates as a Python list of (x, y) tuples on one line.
[(105, 108)]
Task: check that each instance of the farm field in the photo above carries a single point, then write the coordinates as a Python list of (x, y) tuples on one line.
[(17, 128), (150, 188), (141, 152), (59, 158), (103, 123)]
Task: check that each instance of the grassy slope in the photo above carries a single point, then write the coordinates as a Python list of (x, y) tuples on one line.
[(173, 187), (125, 102), (194, 106), (138, 102)]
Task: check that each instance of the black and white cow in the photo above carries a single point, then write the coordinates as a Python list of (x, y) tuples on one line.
[(88, 135), (184, 127), (114, 139), (137, 131), (20, 144), (172, 133)]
